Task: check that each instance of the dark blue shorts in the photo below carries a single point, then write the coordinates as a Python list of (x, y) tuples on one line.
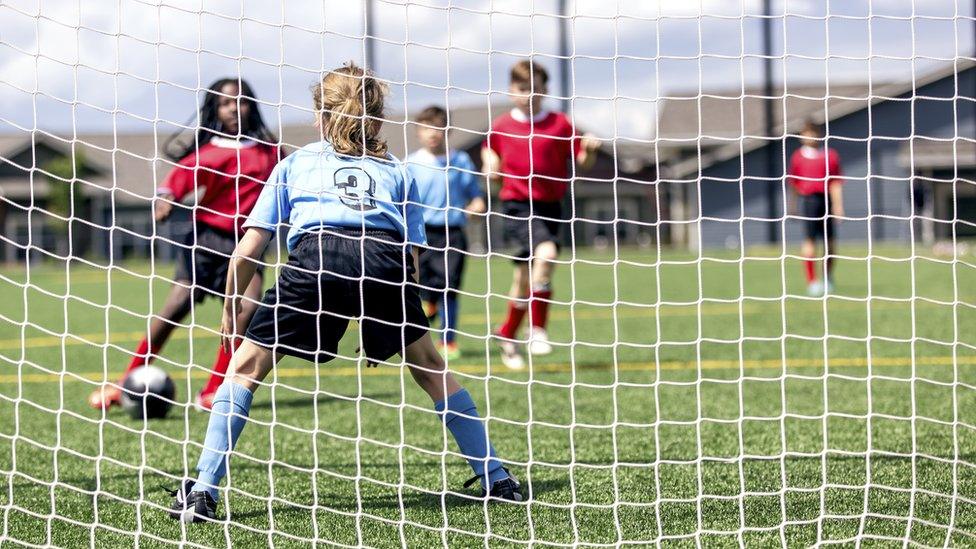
[(336, 276), (442, 261), (525, 226), (204, 259), (818, 225)]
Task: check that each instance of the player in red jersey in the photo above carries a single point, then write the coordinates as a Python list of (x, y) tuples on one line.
[(232, 154), (529, 150), (815, 175)]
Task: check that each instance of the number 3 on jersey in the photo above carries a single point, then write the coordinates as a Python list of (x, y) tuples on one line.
[(356, 189)]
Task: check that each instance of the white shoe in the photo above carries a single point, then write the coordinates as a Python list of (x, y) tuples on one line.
[(815, 289), (539, 342), (511, 357)]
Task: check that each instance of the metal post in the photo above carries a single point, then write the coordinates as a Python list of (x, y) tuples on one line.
[(369, 54), (564, 65), (771, 147)]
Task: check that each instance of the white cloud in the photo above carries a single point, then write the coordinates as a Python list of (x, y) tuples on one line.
[(140, 59)]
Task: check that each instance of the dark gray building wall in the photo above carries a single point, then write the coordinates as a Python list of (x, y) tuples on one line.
[(876, 188)]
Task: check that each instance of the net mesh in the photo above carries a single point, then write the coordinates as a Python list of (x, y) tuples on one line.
[(705, 385)]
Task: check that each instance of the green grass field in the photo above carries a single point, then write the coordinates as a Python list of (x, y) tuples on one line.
[(690, 403)]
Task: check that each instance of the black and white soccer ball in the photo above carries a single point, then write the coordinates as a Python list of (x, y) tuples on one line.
[(148, 393)]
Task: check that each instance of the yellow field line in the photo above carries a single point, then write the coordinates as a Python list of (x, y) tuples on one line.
[(481, 369), (469, 319)]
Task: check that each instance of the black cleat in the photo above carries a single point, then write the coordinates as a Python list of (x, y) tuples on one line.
[(192, 506), (507, 489)]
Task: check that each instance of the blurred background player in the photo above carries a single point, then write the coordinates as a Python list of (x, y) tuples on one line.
[(232, 153), (353, 231), (815, 175), (529, 149), (448, 186)]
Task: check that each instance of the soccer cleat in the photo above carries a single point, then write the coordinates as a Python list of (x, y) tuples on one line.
[(507, 489), (450, 351), (431, 309), (511, 357), (204, 401), (539, 342), (815, 289), (829, 288), (191, 506), (105, 397)]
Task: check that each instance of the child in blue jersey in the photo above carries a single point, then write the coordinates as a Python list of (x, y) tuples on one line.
[(353, 229), (449, 191)]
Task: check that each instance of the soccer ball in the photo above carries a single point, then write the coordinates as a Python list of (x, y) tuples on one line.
[(148, 393)]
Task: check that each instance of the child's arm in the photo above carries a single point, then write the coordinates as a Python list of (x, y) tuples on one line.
[(469, 185), (415, 256), (243, 264), (834, 184), (586, 156), (490, 165), (182, 180), (477, 206), (837, 200)]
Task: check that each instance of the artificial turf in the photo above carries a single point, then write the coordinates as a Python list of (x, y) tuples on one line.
[(690, 400)]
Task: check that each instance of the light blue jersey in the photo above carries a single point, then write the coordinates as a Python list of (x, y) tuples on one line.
[(446, 185), (315, 188)]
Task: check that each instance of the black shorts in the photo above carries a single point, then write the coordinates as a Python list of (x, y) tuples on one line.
[(336, 276), (526, 226), (204, 259), (817, 223), (442, 261)]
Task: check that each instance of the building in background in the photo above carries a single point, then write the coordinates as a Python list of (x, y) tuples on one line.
[(895, 140), (111, 180), (705, 181)]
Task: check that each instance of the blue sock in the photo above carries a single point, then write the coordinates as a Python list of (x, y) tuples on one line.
[(231, 405), (469, 433), (450, 317)]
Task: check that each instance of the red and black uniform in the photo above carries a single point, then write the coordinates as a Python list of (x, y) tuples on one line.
[(813, 172), (231, 174), (535, 165)]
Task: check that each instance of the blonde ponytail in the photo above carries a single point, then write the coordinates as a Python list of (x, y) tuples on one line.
[(349, 101)]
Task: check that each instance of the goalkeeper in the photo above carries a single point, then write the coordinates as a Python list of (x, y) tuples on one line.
[(231, 154), (354, 226)]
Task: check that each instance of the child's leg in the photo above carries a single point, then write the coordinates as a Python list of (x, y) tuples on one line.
[(829, 251), (175, 309), (222, 360), (460, 412), (517, 306), (808, 251), (450, 316), (231, 407), (542, 267)]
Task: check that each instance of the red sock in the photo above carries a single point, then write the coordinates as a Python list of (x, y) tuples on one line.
[(811, 275), (221, 362), (540, 308), (144, 355), (516, 312)]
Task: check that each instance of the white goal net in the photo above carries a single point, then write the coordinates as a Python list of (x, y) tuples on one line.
[(718, 282)]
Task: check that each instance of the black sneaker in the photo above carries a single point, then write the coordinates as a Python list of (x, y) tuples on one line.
[(507, 489), (192, 506)]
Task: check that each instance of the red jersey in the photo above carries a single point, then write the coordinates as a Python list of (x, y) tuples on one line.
[(232, 174), (535, 155), (812, 169)]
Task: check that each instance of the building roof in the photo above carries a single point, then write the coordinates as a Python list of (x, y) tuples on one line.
[(716, 117), (719, 124), (924, 153), (130, 165), (732, 123)]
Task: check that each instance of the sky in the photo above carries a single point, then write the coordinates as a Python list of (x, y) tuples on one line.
[(130, 65)]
